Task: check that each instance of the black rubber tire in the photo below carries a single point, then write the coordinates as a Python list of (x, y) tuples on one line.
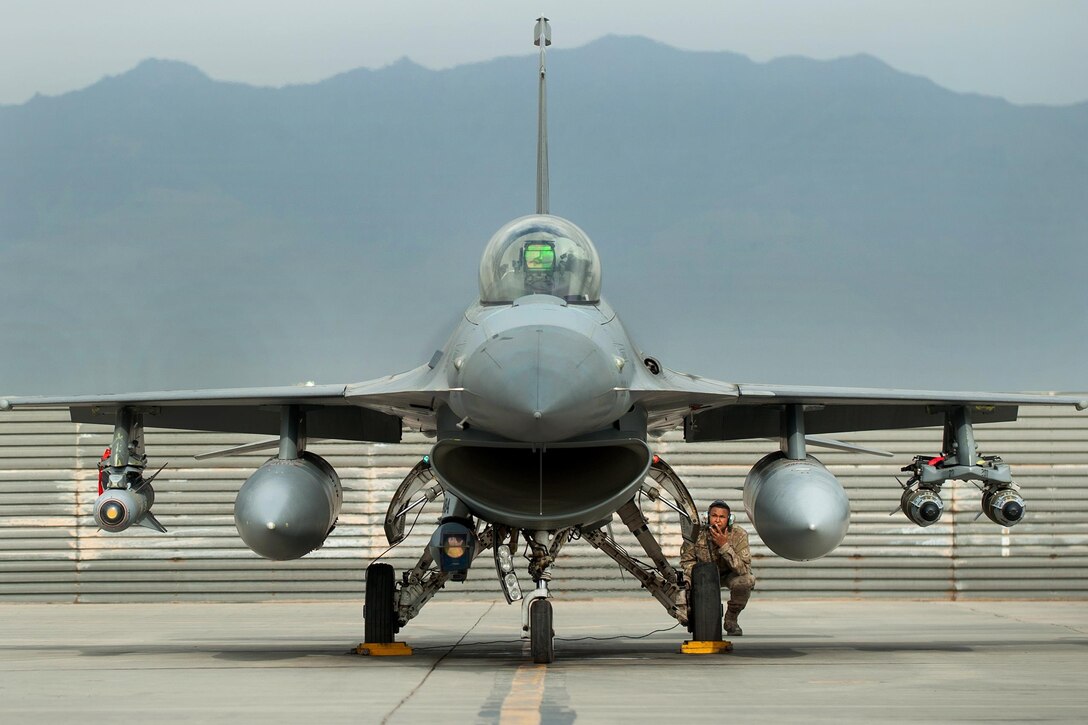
[(541, 634), (379, 614), (705, 614)]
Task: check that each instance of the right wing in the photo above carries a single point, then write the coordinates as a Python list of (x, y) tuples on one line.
[(374, 410)]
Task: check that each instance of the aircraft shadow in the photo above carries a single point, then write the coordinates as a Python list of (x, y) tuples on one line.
[(514, 651)]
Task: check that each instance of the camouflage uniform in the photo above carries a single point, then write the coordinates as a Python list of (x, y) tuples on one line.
[(734, 562)]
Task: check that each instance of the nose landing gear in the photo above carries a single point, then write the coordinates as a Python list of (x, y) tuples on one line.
[(536, 612)]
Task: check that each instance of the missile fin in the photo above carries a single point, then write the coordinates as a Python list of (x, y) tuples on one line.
[(149, 521)]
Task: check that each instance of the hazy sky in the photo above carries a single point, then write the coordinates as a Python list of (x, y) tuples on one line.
[(1028, 51)]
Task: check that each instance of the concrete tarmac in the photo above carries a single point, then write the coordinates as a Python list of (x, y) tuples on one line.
[(811, 661)]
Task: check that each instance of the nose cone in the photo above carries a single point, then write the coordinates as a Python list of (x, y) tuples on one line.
[(541, 383)]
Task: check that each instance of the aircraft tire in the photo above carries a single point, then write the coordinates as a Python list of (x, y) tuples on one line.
[(541, 635), (706, 603), (379, 614)]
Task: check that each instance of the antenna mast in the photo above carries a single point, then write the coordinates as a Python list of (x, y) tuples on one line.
[(542, 37)]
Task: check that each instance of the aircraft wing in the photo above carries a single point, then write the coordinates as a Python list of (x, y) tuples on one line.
[(374, 410), (715, 410)]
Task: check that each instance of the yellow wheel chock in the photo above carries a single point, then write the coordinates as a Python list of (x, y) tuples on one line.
[(383, 649), (707, 647)]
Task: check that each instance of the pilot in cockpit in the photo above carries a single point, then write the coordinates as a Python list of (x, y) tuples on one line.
[(540, 255)]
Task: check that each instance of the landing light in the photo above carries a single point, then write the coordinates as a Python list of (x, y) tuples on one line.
[(506, 561), (513, 588)]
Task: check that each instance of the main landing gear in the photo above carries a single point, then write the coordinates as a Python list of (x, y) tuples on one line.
[(392, 603), (380, 623)]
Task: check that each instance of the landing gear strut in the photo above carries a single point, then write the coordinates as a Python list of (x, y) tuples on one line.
[(390, 604), (536, 613)]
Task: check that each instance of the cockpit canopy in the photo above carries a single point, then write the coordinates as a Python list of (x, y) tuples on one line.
[(540, 254)]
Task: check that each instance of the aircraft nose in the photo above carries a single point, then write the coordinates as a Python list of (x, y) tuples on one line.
[(540, 383)]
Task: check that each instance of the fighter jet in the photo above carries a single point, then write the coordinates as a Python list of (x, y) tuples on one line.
[(544, 414)]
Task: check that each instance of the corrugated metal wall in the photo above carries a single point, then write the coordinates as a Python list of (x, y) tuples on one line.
[(50, 549)]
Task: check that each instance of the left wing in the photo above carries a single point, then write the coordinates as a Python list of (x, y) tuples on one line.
[(374, 410), (715, 410)]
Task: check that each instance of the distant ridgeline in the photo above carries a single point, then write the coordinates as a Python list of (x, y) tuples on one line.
[(784, 220)]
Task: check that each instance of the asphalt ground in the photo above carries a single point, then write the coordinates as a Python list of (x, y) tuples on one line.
[(811, 661)]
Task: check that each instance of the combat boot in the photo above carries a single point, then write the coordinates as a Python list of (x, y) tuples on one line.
[(730, 625)]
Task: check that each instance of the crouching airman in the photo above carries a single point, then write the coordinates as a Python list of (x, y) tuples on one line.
[(726, 545)]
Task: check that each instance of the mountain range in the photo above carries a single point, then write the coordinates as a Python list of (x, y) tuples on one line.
[(819, 222)]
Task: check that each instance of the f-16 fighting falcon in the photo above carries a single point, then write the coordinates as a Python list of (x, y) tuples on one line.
[(543, 412)]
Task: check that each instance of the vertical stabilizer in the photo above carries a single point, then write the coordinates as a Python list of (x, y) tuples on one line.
[(542, 37)]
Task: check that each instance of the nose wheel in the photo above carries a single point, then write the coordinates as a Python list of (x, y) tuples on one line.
[(541, 634)]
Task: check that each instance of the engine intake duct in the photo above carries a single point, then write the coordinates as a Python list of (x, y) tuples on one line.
[(552, 487)]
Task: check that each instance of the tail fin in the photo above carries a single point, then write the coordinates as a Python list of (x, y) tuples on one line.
[(542, 37)]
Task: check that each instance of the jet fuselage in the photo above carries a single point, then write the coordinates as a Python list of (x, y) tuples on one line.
[(541, 432)]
